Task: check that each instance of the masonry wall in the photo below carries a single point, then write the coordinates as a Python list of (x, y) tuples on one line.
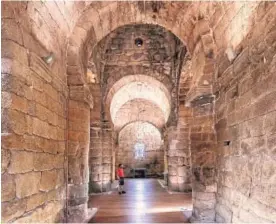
[(150, 137), (33, 117), (246, 117), (33, 132), (34, 106)]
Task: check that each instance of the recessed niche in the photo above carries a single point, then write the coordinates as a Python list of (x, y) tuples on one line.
[(227, 143)]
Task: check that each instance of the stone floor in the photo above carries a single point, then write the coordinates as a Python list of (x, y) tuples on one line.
[(145, 202)]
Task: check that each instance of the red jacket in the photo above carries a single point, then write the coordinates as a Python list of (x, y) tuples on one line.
[(120, 172)]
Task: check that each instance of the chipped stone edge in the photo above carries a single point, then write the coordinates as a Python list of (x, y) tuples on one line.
[(91, 212)]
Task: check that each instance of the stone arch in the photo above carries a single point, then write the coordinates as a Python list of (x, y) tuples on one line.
[(143, 133), (94, 24), (140, 126), (33, 29), (203, 64), (125, 85), (140, 90), (143, 121), (141, 110), (90, 30)]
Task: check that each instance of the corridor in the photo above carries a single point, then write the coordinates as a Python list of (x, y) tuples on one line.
[(145, 202), (183, 90)]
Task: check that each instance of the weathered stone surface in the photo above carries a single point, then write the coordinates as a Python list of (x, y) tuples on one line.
[(238, 38), (270, 123), (253, 145), (7, 187), (48, 180), (27, 184), (203, 204), (204, 196), (224, 212), (153, 155), (60, 178), (36, 200), (56, 194), (21, 162), (252, 128), (45, 161), (13, 209), (78, 191), (16, 121), (40, 128), (5, 159), (48, 213), (206, 216), (14, 51), (78, 212)]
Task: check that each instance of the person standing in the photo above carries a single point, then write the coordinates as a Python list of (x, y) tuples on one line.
[(121, 178)]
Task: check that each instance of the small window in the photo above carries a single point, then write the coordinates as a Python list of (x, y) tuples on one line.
[(138, 42), (139, 150)]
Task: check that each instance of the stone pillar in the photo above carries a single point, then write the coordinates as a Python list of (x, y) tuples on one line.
[(203, 152), (95, 159), (178, 159), (78, 153), (166, 161), (113, 170), (106, 158), (32, 134), (100, 159)]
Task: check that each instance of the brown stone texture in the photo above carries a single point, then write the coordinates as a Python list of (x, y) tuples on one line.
[(153, 59), (35, 201), (153, 154), (21, 162), (8, 187), (179, 157), (204, 78), (33, 108), (48, 180), (245, 116), (13, 209), (27, 184), (78, 152)]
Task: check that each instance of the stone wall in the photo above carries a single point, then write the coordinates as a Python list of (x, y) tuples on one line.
[(239, 37), (246, 125), (150, 137), (33, 130)]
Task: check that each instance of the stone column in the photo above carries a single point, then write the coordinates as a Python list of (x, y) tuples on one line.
[(78, 152), (113, 170), (178, 159), (100, 158), (106, 157), (166, 162), (203, 152), (172, 159), (95, 159)]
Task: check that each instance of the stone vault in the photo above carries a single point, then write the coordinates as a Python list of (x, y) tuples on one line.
[(83, 82)]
